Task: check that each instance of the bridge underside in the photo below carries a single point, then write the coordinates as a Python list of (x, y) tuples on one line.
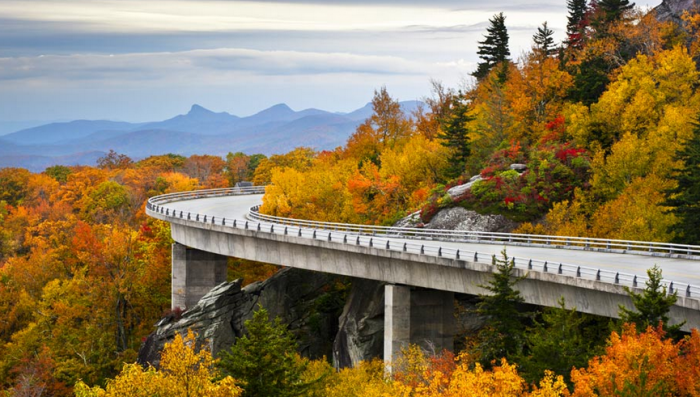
[(411, 270)]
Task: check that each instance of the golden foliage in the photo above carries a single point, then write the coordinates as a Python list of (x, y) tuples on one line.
[(183, 373)]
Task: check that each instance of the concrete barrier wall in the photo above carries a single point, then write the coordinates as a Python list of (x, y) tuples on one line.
[(460, 276)]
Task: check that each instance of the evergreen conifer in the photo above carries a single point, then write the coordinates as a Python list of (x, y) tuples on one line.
[(493, 50), (685, 197), (503, 335), (265, 359), (544, 42), (577, 21), (652, 305), (454, 135)]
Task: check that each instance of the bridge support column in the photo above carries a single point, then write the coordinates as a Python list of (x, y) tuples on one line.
[(397, 320), (419, 316), (194, 273)]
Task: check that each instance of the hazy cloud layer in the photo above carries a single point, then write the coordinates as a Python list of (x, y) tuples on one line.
[(200, 64), (136, 60)]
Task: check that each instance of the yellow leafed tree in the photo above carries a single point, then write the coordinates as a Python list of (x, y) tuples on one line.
[(183, 372)]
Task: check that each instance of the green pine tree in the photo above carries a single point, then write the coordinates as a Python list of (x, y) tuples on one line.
[(576, 24), (265, 359), (652, 305), (685, 197), (503, 335), (607, 12), (563, 339), (591, 78), (614, 10), (544, 41), (454, 135), (493, 50)]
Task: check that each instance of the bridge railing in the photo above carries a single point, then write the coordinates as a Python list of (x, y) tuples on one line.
[(381, 237), (581, 243)]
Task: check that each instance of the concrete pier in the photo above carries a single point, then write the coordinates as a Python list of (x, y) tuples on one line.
[(397, 320), (417, 316), (194, 273)]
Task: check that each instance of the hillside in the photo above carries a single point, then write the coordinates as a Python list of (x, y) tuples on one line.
[(277, 129)]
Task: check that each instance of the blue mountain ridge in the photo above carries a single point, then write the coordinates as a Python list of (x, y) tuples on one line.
[(277, 129)]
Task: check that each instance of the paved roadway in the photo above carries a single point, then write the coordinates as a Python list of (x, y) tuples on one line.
[(678, 270)]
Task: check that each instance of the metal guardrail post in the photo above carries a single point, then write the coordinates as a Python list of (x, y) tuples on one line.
[(687, 291), (578, 272), (597, 276), (529, 264), (314, 235), (405, 247), (560, 269), (457, 255), (545, 266), (617, 278), (634, 281), (329, 236), (387, 245), (370, 243), (357, 242), (670, 288), (422, 249), (439, 251)]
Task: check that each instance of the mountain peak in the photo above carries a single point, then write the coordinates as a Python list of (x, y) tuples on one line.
[(281, 107), (196, 109)]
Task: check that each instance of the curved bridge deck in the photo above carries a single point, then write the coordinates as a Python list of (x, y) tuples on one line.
[(590, 279)]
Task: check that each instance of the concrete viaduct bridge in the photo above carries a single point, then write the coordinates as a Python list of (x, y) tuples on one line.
[(422, 268)]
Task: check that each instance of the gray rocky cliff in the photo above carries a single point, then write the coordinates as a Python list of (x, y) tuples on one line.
[(672, 10), (360, 334), (302, 299)]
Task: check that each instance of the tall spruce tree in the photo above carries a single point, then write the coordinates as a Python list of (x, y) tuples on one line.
[(265, 359), (604, 13), (503, 334), (544, 41), (652, 305), (576, 24), (454, 135), (493, 50), (563, 339), (685, 197), (614, 9)]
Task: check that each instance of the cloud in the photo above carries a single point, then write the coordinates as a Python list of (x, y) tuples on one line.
[(203, 65)]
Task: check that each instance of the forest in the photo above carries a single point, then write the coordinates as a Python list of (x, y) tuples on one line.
[(605, 123)]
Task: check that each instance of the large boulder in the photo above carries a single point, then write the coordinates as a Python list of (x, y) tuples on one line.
[(303, 299), (458, 218)]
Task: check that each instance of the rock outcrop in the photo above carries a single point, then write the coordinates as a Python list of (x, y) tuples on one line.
[(302, 299), (458, 218), (361, 330), (672, 10), (459, 190)]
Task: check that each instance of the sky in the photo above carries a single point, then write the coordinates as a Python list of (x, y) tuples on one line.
[(137, 60)]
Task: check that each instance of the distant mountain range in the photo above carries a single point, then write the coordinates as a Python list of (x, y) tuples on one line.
[(278, 129)]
